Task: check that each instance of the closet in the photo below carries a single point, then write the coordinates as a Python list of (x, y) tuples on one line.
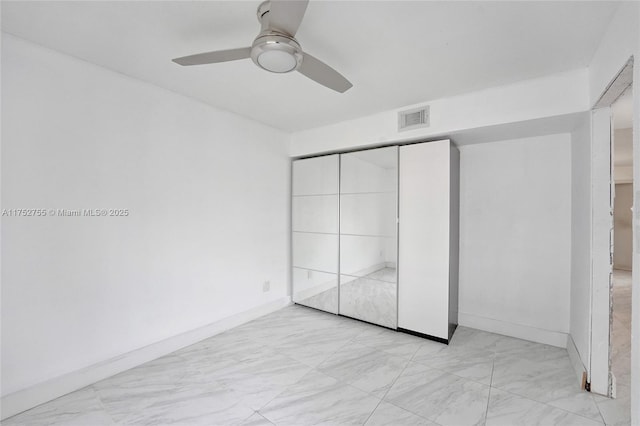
[(375, 236)]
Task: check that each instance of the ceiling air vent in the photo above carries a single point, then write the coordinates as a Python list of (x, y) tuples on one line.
[(413, 118)]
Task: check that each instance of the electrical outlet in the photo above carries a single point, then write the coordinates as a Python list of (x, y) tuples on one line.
[(266, 286)]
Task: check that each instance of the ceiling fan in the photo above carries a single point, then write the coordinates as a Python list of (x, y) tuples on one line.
[(275, 49)]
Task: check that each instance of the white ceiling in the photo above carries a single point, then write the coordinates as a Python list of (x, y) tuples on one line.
[(395, 53)]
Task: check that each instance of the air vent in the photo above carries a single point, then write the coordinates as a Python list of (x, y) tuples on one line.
[(413, 118)]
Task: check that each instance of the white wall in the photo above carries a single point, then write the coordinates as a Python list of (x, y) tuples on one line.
[(207, 193), (515, 237), (581, 239), (555, 95)]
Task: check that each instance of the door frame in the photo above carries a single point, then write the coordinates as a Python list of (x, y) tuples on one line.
[(602, 192)]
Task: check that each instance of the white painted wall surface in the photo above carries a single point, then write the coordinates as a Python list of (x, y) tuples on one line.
[(559, 94), (515, 237), (208, 198), (601, 265), (580, 323)]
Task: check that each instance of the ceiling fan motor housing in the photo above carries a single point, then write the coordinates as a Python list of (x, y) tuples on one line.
[(276, 52)]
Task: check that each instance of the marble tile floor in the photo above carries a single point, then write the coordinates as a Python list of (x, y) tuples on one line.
[(299, 366)]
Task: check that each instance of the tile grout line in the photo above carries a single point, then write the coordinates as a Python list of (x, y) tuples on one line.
[(259, 414), (604, 421), (407, 360), (548, 405), (599, 410), (97, 396), (450, 373), (457, 375), (391, 386), (286, 388), (412, 412), (486, 412), (311, 368), (372, 411), (382, 398)]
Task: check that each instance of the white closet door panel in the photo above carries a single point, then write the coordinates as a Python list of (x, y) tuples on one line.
[(423, 260), (314, 176), (316, 213)]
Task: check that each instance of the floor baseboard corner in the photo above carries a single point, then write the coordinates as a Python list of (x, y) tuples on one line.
[(22, 400), (525, 332)]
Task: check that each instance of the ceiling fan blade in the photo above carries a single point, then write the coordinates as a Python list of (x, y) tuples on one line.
[(214, 57), (322, 73), (286, 15)]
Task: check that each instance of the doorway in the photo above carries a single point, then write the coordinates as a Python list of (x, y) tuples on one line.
[(612, 248)]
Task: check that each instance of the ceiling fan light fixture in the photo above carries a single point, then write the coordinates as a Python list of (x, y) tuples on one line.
[(277, 61), (276, 53)]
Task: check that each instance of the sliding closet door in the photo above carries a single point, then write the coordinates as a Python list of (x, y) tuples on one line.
[(368, 245), (315, 232), (425, 239)]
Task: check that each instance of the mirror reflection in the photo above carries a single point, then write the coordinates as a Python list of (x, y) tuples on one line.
[(315, 232), (368, 242)]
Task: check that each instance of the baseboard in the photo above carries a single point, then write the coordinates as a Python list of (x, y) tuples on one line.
[(25, 399), (576, 361), (539, 335)]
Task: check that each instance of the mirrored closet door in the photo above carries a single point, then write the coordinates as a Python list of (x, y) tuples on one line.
[(315, 232), (352, 257), (368, 241)]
